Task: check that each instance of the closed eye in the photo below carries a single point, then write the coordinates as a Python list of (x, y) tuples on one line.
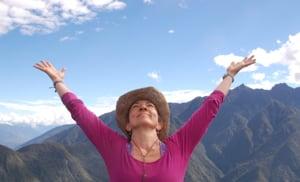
[(150, 105), (134, 106)]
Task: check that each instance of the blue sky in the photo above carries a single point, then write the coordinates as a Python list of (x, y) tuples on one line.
[(108, 47)]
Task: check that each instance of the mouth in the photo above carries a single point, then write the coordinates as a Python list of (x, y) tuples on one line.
[(143, 113)]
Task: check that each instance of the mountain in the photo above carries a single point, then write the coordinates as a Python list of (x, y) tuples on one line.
[(40, 162), (44, 136), (12, 167), (255, 137), (274, 150), (13, 135), (53, 162)]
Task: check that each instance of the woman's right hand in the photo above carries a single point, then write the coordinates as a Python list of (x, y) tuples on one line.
[(50, 70)]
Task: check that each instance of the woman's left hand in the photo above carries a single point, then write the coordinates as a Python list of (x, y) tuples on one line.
[(234, 68)]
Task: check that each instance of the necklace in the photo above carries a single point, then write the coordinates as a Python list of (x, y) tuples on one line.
[(144, 155)]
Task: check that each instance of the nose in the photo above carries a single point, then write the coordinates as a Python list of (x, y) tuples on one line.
[(143, 107)]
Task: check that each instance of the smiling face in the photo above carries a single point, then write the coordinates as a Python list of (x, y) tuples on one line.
[(143, 114)]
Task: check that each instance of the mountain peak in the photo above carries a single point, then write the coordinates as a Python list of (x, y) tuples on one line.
[(242, 87), (281, 87)]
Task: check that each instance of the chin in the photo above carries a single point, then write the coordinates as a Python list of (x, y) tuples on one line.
[(147, 124)]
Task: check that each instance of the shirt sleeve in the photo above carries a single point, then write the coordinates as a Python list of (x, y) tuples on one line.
[(189, 135), (103, 137)]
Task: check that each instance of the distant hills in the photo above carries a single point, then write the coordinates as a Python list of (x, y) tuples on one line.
[(41, 138), (13, 135), (255, 137)]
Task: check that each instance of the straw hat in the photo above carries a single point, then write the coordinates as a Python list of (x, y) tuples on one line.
[(151, 94)]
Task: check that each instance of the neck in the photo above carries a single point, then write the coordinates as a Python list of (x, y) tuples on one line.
[(144, 138)]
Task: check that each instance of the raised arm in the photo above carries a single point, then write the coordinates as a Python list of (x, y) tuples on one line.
[(232, 70), (57, 76), (103, 137), (189, 135)]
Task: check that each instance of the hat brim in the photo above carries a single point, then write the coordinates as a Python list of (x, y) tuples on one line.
[(151, 94)]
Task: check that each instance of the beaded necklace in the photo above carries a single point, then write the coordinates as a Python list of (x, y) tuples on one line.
[(144, 156)]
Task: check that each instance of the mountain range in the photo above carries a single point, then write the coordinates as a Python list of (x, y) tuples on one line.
[(254, 137), (14, 134)]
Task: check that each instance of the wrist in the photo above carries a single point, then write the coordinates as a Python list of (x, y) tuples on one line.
[(56, 82), (228, 75), (55, 78)]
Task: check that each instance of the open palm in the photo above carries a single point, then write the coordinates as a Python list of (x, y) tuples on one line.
[(50, 70), (234, 68)]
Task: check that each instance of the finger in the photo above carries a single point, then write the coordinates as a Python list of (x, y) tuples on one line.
[(44, 63), (38, 67), (63, 70), (252, 56), (251, 59), (250, 62), (48, 64), (38, 64)]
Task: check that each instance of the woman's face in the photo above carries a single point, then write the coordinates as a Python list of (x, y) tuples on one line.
[(143, 114)]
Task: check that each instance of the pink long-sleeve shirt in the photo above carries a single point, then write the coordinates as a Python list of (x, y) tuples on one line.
[(113, 146)]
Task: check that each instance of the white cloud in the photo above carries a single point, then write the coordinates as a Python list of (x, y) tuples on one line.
[(154, 75), (45, 16), (297, 77), (34, 112), (260, 81), (183, 4), (287, 55), (265, 84), (53, 112), (278, 41), (47, 112), (116, 5), (148, 2), (104, 105), (225, 60), (180, 96), (171, 31), (278, 74), (71, 37), (99, 29), (258, 76), (99, 3), (79, 32), (66, 38)]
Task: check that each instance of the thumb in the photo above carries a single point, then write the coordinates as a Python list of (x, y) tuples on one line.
[(62, 73), (63, 70)]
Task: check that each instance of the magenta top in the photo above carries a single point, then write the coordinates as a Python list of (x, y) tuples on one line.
[(113, 146)]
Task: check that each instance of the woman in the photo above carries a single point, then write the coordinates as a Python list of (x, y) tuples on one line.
[(146, 153)]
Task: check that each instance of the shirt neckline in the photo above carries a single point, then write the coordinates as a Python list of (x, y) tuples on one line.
[(163, 147)]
